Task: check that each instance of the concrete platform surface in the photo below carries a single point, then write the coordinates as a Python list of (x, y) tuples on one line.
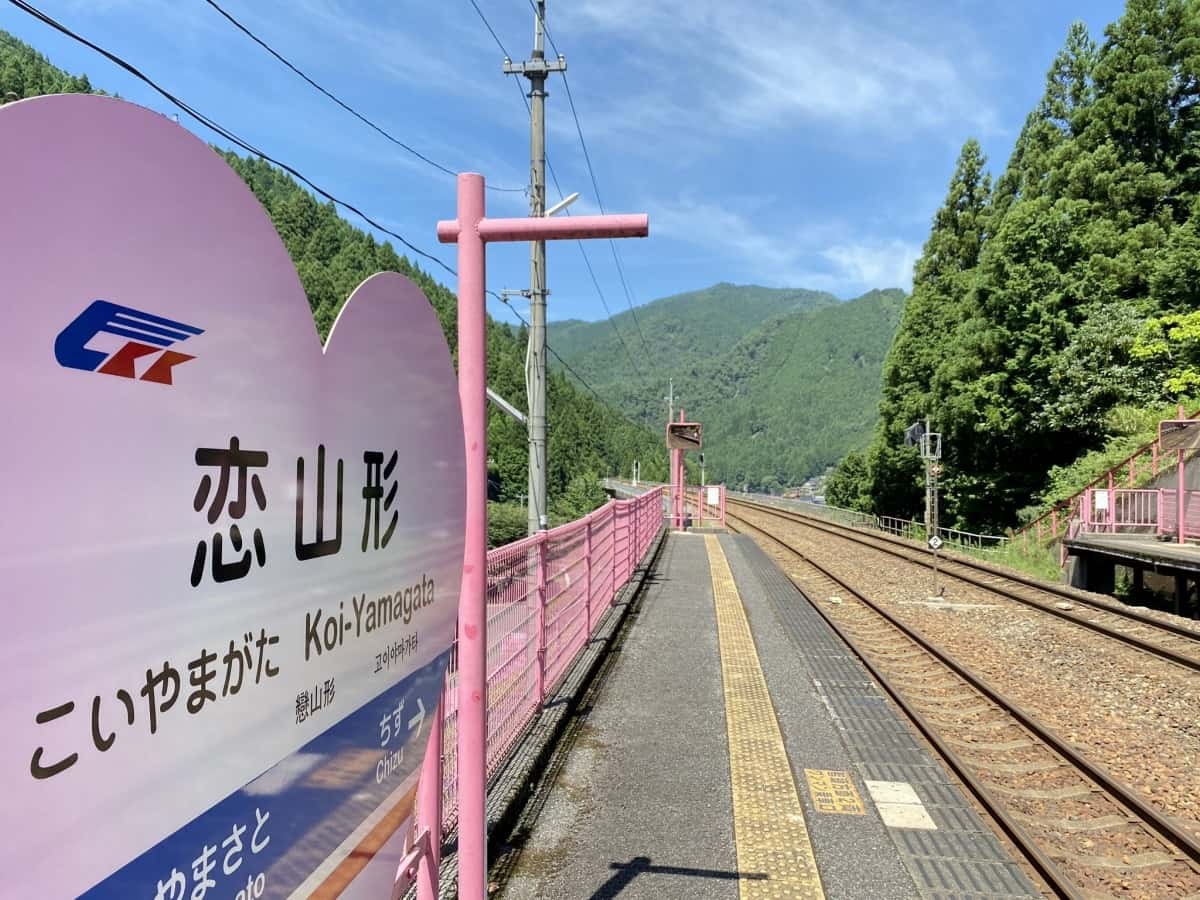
[(737, 750), (1143, 549)]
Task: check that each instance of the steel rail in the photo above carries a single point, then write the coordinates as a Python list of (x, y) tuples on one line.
[(850, 534), (1123, 793), (1058, 590)]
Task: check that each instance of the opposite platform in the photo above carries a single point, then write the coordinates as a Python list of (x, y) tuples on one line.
[(737, 749)]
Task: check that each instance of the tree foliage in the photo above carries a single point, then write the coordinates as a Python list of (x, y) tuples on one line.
[(1064, 292)]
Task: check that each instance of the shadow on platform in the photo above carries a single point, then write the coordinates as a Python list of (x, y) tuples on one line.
[(624, 873)]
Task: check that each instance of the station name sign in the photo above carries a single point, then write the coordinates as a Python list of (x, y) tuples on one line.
[(234, 580)]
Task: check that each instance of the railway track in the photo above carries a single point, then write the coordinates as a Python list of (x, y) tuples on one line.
[(1082, 830), (1167, 640)]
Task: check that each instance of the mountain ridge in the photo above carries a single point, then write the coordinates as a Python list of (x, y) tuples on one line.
[(786, 383)]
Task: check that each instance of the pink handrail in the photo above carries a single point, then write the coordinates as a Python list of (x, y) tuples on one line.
[(546, 596), (1071, 505)]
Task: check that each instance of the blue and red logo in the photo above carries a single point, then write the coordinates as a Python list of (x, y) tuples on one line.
[(149, 333)]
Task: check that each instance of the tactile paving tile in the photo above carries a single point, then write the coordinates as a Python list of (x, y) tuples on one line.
[(769, 828), (962, 858)]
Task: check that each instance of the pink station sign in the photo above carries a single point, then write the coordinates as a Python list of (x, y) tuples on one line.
[(231, 560)]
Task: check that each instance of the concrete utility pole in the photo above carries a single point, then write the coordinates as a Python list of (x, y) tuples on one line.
[(670, 398), (536, 70)]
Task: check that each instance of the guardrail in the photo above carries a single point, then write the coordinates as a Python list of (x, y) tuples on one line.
[(545, 595), (1149, 511), (702, 503), (1144, 463), (953, 538)]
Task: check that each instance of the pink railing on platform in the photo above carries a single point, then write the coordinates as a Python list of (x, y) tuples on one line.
[(1142, 464), (1110, 510), (705, 504), (545, 596), (1170, 515), (1148, 511)]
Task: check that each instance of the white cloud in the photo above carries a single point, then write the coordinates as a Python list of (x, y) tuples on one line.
[(882, 263), (825, 256), (722, 68)]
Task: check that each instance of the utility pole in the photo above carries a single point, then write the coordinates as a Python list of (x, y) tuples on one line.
[(670, 398), (536, 69)]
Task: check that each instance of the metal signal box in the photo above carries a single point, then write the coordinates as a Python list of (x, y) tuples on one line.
[(685, 435)]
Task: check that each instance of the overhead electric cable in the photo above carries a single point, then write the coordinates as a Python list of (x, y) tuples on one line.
[(221, 130), (354, 112), (600, 293), (587, 158), (488, 26), (566, 365), (582, 249), (558, 187)]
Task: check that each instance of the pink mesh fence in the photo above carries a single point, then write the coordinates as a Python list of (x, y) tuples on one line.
[(545, 595)]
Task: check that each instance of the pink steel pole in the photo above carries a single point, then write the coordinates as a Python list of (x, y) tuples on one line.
[(675, 488), (587, 572), (682, 480), (429, 807), (1112, 505), (542, 538), (471, 230), (472, 608), (1179, 497)]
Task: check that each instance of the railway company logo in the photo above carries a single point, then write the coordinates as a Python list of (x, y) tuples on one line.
[(148, 334)]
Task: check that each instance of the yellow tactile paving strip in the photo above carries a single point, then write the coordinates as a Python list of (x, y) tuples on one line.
[(768, 820)]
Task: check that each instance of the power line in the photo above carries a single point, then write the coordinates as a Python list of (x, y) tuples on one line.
[(395, 140), (230, 136), (566, 365), (587, 158), (219, 129), (582, 249), (587, 262), (488, 26)]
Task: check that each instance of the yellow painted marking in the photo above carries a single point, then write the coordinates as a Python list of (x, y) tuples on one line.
[(833, 791), (768, 820)]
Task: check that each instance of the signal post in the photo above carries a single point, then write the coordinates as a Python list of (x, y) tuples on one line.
[(682, 436)]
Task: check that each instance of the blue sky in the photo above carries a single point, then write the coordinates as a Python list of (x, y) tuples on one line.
[(791, 143)]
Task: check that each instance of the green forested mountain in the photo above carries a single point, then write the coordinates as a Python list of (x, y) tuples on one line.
[(792, 396), (680, 331), (1062, 292), (785, 381), (26, 73), (586, 438)]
